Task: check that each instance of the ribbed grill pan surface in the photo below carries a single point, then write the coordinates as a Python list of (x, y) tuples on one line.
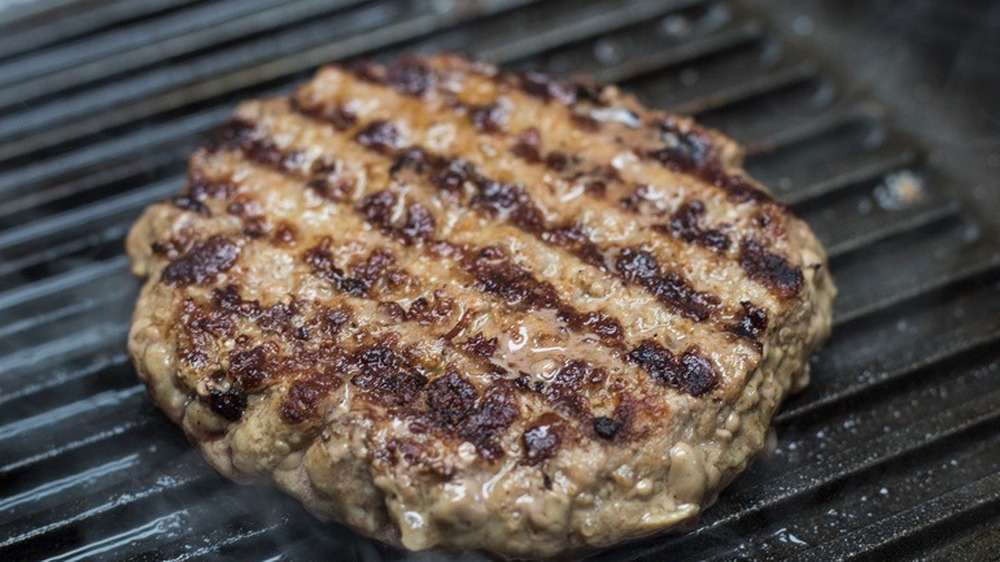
[(893, 451)]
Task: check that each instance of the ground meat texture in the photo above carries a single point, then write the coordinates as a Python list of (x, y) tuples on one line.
[(423, 299)]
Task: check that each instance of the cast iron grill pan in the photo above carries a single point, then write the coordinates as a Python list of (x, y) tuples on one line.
[(893, 450)]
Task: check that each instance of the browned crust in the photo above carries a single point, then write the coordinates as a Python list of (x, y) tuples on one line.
[(361, 296)]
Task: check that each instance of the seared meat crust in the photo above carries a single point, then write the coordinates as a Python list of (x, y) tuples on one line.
[(452, 306)]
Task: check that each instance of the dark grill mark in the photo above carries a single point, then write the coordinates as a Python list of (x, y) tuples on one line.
[(173, 247), (606, 427), (542, 439), (408, 75), (686, 224), (752, 323), (385, 377), (604, 326), (320, 260), (251, 215), (301, 403), (380, 136), (203, 262), (335, 191), (640, 267), (241, 134), (575, 239), (490, 118), (510, 202), (189, 203), (546, 88), (691, 372), (563, 392), (378, 272), (498, 276), (527, 146), (379, 208), (248, 368), (422, 310), (339, 116), (770, 269), (557, 161), (230, 403), (419, 224), (693, 152), (450, 399), (276, 319), (495, 412), (285, 234), (201, 188), (480, 346)]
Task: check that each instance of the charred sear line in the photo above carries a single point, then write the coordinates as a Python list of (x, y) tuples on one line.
[(251, 215), (455, 406), (770, 269), (408, 75), (751, 324), (564, 391), (379, 209), (376, 272), (686, 224), (198, 190), (490, 118), (480, 346), (190, 203), (339, 116), (301, 403), (230, 403), (202, 263), (201, 188), (691, 372), (693, 152), (546, 88), (527, 146), (381, 136), (500, 277), (494, 412), (450, 399), (575, 239), (240, 134), (320, 260), (384, 376), (605, 427), (277, 319), (422, 310), (640, 267)]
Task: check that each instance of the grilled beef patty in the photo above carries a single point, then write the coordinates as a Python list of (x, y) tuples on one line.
[(453, 306)]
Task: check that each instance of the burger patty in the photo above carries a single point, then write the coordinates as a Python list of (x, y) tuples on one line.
[(453, 306)]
